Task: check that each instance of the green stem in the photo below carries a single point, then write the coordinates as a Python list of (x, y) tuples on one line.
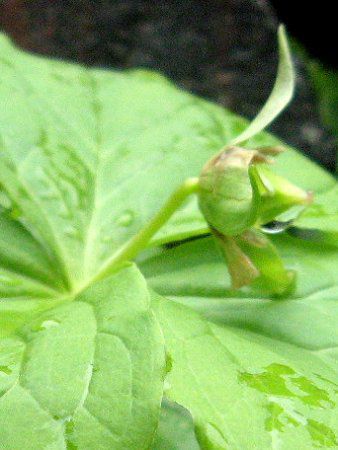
[(130, 250)]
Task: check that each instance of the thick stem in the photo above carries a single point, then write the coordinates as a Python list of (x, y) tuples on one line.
[(130, 250)]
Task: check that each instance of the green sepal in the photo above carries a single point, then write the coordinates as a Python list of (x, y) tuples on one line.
[(276, 194), (253, 259), (241, 268), (273, 277)]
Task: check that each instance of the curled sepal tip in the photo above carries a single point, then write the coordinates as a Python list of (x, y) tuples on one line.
[(252, 259), (280, 96), (241, 269), (274, 277)]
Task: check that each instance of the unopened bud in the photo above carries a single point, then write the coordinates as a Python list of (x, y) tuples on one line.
[(226, 194), (238, 191)]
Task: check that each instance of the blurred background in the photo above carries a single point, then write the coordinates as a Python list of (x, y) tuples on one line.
[(223, 50)]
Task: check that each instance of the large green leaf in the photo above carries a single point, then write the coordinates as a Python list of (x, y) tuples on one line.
[(246, 390), (86, 374), (195, 274), (284, 349), (86, 158)]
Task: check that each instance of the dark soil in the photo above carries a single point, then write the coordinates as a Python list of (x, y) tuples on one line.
[(224, 50)]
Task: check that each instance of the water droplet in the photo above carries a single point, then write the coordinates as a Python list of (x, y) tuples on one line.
[(5, 370), (46, 324), (50, 323), (166, 386), (126, 219), (275, 227)]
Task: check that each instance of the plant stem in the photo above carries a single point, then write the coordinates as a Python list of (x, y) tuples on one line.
[(130, 250)]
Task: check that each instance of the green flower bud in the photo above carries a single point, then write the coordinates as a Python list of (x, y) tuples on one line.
[(226, 196), (237, 191)]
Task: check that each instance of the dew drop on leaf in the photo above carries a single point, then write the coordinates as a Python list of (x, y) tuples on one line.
[(275, 227), (46, 324), (166, 386), (49, 323), (126, 219)]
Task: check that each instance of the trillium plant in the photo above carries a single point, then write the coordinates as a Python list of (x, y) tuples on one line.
[(168, 273)]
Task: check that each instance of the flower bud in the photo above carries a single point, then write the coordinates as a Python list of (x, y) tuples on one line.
[(237, 191), (226, 196)]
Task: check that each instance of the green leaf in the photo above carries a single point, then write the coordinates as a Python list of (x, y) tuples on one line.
[(194, 274), (86, 374), (245, 390), (246, 332), (27, 276), (86, 159), (25, 268), (74, 174), (274, 278), (319, 222)]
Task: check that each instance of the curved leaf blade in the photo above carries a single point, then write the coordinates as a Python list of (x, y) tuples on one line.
[(280, 96), (235, 359), (87, 373), (245, 390)]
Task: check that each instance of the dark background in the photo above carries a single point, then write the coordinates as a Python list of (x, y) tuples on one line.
[(224, 50), (314, 24)]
